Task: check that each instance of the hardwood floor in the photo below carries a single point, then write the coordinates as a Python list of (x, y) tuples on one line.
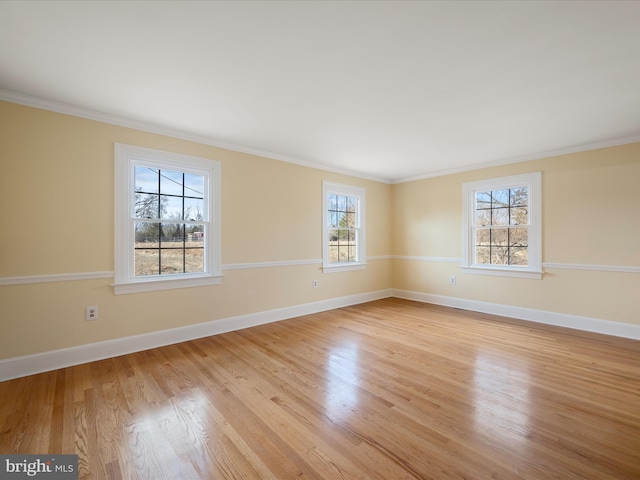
[(390, 389)]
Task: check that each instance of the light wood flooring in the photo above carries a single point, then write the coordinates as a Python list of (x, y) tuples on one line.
[(391, 389)]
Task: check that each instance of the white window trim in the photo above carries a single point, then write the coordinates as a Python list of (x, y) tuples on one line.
[(126, 157), (534, 183), (340, 189)]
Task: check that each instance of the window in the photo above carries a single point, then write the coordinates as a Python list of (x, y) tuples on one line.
[(167, 220), (343, 231), (502, 226)]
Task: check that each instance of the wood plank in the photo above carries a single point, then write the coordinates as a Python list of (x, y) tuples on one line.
[(384, 390)]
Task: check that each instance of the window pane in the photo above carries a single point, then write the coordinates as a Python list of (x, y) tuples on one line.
[(172, 235), (483, 255), (193, 209), (500, 236), (333, 253), (332, 218), (500, 255), (147, 235), (500, 198), (519, 197), (520, 256), (350, 220), (343, 237), (171, 207), (347, 237), (342, 203), (483, 200), (195, 234), (500, 216), (172, 261), (351, 204), (145, 179), (193, 185), (483, 217), (146, 205), (332, 202), (147, 262), (343, 254), (483, 236), (170, 182), (519, 237), (194, 260), (519, 216)]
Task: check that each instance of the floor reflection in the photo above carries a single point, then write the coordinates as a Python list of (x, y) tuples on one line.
[(343, 368), (160, 424), (502, 401)]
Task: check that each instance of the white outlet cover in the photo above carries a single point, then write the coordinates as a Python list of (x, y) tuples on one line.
[(91, 313)]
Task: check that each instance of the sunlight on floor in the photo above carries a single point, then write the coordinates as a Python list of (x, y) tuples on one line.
[(499, 384), (343, 368)]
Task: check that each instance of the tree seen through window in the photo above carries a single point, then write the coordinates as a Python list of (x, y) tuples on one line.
[(343, 228), (501, 227)]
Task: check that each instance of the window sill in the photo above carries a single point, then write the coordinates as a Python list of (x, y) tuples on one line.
[(156, 283), (343, 267), (504, 272)]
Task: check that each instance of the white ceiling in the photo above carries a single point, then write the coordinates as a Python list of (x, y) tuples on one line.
[(385, 90)]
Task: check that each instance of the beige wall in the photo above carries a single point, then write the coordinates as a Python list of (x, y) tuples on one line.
[(591, 216), (56, 184)]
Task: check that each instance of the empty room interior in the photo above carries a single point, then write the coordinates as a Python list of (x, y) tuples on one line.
[(320, 240)]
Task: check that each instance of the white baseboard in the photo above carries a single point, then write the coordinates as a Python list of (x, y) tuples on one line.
[(43, 362), (576, 322)]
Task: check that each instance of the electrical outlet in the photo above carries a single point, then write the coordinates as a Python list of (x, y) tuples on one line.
[(452, 280), (315, 284), (91, 313)]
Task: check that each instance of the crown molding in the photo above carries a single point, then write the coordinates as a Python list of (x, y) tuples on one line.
[(523, 158), (90, 114)]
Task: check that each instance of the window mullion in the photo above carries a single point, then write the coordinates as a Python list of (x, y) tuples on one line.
[(184, 231), (509, 229), (159, 224)]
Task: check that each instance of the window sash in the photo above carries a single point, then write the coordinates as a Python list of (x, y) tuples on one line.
[(161, 254), (341, 248), (497, 248)]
